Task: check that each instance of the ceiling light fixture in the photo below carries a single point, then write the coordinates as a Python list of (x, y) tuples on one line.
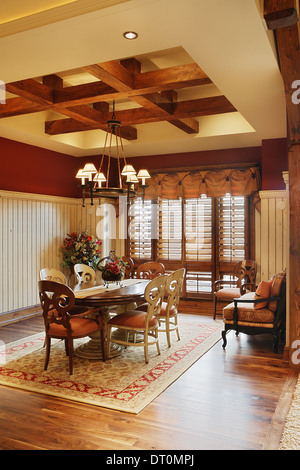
[(130, 35), (92, 179)]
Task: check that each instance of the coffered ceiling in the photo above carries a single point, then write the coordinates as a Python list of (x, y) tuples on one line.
[(200, 75)]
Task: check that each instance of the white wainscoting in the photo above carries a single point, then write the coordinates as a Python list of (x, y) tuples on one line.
[(272, 234), (32, 229)]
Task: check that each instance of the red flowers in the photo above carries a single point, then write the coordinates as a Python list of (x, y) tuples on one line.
[(114, 267)]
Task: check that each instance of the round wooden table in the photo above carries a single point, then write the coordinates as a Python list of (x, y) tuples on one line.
[(97, 295)]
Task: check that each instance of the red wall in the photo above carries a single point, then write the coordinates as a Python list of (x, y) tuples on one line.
[(274, 162), (205, 158), (30, 169), (26, 168)]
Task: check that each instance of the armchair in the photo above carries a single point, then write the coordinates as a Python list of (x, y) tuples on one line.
[(226, 291), (253, 314)]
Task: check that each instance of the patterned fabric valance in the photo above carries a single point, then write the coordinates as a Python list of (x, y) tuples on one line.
[(191, 184)]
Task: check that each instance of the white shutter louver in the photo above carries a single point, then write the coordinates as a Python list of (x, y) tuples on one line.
[(231, 221), (169, 244), (198, 225), (140, 229)]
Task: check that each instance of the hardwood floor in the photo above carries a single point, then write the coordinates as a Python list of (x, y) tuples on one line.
[(226, 400)]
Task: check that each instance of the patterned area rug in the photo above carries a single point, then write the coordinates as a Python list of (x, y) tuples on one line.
[(290, 439), (123, 383)]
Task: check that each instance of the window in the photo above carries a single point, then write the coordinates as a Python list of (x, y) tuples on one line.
[(140, 230), (231, 221), (169, 243), (198, 233), (205, 235)]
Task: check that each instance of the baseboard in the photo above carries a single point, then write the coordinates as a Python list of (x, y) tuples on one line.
[(20, 314)]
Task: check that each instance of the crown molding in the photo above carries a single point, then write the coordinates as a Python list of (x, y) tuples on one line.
[(52, 15)]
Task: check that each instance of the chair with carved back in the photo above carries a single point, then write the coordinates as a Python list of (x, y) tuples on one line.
[(84, 273), (259, 312), (143, 322), (57, 301), (168, 315), (129, 266), (150, 270), (226, 290), (52, 274)]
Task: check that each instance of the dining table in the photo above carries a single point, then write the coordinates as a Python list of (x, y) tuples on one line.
[(109, 299)]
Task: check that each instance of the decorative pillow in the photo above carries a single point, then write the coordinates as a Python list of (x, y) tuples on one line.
[(263, 291), (277, 281)]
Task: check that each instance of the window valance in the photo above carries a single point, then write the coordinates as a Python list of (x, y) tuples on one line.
[(213, 183)]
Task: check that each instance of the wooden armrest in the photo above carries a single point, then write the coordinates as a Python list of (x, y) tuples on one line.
[(218, 284), (255, 301), (248, 285)]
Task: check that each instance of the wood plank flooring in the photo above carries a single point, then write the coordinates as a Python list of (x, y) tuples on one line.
[(227, 400)]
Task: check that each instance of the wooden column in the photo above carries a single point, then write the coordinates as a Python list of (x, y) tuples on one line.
[(282, 17)]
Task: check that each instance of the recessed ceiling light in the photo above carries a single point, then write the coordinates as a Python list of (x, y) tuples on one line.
[(130, 35)]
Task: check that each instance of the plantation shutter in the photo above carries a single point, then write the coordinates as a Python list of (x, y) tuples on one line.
[(140, 229), (169, 243), (231, 224), (198, 229)]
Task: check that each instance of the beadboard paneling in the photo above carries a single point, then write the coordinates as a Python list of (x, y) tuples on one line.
[(32, 229), (272, 234)]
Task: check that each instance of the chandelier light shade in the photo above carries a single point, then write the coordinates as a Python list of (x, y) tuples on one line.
[(96, 182), (143, 175)]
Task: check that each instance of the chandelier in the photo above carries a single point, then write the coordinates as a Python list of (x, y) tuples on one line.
[(95, 183)]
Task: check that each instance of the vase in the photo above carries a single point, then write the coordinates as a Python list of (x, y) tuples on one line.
[(111, 277), (108, 276)]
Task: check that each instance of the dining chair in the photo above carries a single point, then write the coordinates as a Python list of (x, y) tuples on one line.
[(52, 274), (57, 301), (226, 290), (168, 314), (129, 266), (137, 321), (150, 270), (84, 273)]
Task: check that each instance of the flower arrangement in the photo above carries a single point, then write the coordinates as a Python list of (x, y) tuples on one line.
[(81, 248)]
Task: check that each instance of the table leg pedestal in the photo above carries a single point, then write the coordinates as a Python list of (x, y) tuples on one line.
[(92, 349)]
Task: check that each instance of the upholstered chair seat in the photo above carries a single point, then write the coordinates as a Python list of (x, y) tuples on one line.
[(134, 319), (163, 310), (248, 314), (259, 312)]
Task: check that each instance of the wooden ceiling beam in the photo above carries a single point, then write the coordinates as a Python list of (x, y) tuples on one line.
[(67, 126), (112, 73), (32, 90), (280, 13), (84, 114), (18, 106), (144, 83), (176, 77), (182, 110), (121, 75), (154, 91)]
